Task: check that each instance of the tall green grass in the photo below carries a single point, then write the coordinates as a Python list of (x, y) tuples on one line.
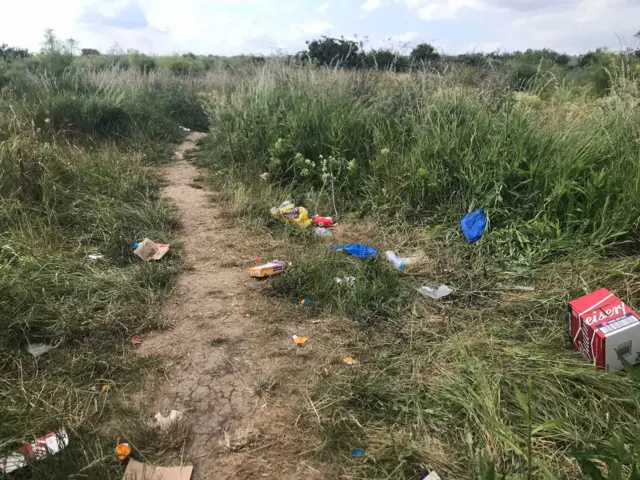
[(484, 383), (428, 150)]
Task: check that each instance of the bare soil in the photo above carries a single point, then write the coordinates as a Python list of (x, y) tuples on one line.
[(232, 367)]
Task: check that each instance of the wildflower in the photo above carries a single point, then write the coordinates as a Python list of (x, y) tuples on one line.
[(385, 152), (307, 161), (47, 120), (351, 165), (264, 176), (304, 172), (325, 177)]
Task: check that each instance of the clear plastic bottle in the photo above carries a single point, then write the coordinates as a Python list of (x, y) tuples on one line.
[(397, 261)]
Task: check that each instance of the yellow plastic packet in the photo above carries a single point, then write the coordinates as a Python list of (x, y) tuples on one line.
[(293, 214)]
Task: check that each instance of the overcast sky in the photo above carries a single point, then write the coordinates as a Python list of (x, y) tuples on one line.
[(226, 27)]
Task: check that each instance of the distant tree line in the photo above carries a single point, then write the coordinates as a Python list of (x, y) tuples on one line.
[(520, 68)]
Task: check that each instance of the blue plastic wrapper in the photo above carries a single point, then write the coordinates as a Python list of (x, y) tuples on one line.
[(473, 225), (358, 250)]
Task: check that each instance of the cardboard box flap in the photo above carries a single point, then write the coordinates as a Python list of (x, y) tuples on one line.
[(142, 471)]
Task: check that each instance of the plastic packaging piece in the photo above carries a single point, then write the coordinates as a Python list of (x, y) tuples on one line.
[(349, 361), (299, 340), (271, 268), (136, 341), (397, 261), (349, 281), (323, 232), (293, 214), (323, 221), (37, 349), (95, 256), (177, 156), (473, 225), (149, 250), (305, 301), (123, 450), (44, 446), (432, 475), (435, 292), (357, 452), (358, 250), (165, 423)]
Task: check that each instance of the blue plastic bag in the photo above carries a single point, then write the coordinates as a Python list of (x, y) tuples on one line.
[(473, 225), (358, 250)]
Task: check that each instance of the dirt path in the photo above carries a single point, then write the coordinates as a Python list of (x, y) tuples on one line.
[(221, 366)]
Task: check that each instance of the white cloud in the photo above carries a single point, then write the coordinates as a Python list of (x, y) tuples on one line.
[(322, 8), (310, 28), (371, 5), (403, 37), (443, 9)]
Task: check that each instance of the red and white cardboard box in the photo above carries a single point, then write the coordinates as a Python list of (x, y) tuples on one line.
[(601, 326)]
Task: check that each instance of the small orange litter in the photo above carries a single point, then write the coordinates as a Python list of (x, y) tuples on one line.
[(123, 451), (105, 387), (299, 340), (349, 361)]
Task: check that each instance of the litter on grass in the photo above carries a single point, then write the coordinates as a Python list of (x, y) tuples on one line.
[(185, 129), (95, 256), (350, 361), (323, 232), (177, 156), (299, 340), (519, 288), (349, 281), (473, 225), (149, 250), (432, 475), (604, 329), (136, 341), (290, 213), (123, 450), (165, 423), (268, 269), (37, 349), (42, 447), (305, 301), (357, 452), (143, 471), (358, 250), (395, 260), (435, 292), (323, 221)]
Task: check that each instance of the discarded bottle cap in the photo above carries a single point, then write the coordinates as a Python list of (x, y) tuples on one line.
[(357, 452), (123, 451), (135, 245)]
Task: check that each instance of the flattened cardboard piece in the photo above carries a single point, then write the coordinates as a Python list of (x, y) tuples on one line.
[(143, 471), (149, 250)]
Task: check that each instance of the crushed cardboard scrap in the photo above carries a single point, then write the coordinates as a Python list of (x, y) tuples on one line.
[(47, 445), (149, 250), (143, 471)]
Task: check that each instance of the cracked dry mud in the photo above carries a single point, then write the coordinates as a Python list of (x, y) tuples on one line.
[(215, 352)]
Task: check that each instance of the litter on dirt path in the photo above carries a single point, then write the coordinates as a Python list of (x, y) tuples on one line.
[(42, 447), (143, 471), (149, 250)]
